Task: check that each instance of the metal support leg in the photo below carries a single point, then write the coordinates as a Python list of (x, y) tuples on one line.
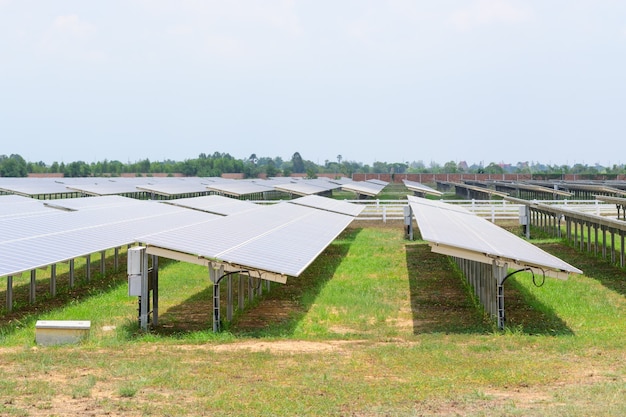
[(33, 286), (155, 290), (71, 273), (88, 266), (103, 257), (53, 280), (144, 306), (241, 291), (216, 299), (9, 293), (229, 295), (499, 273)]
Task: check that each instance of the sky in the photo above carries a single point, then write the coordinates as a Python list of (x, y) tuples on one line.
[(479, 81)]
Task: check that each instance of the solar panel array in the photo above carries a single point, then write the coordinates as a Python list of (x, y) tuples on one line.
[(454, 231), (283, 238), (176, 186)]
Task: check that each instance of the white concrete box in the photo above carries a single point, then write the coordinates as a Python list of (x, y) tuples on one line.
[(58, 332)]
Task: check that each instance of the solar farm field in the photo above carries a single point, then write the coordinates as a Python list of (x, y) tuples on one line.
[(376, 326)]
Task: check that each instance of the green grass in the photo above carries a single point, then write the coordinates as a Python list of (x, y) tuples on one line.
[(375, 326)]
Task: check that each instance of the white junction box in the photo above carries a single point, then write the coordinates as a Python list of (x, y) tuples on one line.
[(135, 265), (59, 332)]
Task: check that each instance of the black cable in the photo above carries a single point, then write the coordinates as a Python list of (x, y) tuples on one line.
[(543, 280)]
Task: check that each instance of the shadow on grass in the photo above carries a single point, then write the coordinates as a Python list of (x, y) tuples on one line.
[(525, 314), (439, 301), (611, 276), (442, 302), (24, 313), (274, 313)]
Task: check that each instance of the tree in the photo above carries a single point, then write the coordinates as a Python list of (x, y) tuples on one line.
[(450, 167), (493, 168), (298, 163), (13, 166)]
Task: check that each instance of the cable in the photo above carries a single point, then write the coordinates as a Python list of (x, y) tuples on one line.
[(543, 280)]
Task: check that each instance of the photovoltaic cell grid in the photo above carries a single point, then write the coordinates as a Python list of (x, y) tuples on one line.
[(421, 188), (300, 188), (282, 238), (364, 187), (328, 204), (239, 187), (17, 206), (36, 242), (216, 204), (173, 188), (85, 203), (454, 231)]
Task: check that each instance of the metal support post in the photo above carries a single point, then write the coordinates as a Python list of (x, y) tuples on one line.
[(103, 256), (155, 290), (33, 286), (216, 276), (241, 291), (9, 293), (499, 273), (88, 266), (229, 295), (72, 273), (144, 306), (53, 280)]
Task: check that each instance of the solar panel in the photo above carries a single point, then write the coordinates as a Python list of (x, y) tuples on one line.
[(363, 187), (106, 186), (33, 186), (457, 232), (300, 188), (239, 187), (18, 206), (323, 203), (172, 188), (377, 182), (33, 242), (216, 204), (421, 188), (82, 203), (282, 238)]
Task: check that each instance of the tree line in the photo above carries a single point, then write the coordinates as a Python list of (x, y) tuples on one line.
[(216, 164)]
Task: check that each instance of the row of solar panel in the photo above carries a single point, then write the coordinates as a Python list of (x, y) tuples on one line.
[(186, 185), (283, 238)]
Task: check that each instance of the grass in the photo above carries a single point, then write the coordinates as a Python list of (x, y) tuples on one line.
[(376, 326)]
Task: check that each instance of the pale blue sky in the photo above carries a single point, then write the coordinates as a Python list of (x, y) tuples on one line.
[(475, 80)]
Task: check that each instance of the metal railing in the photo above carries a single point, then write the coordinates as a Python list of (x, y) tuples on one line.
[(493, 210)]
